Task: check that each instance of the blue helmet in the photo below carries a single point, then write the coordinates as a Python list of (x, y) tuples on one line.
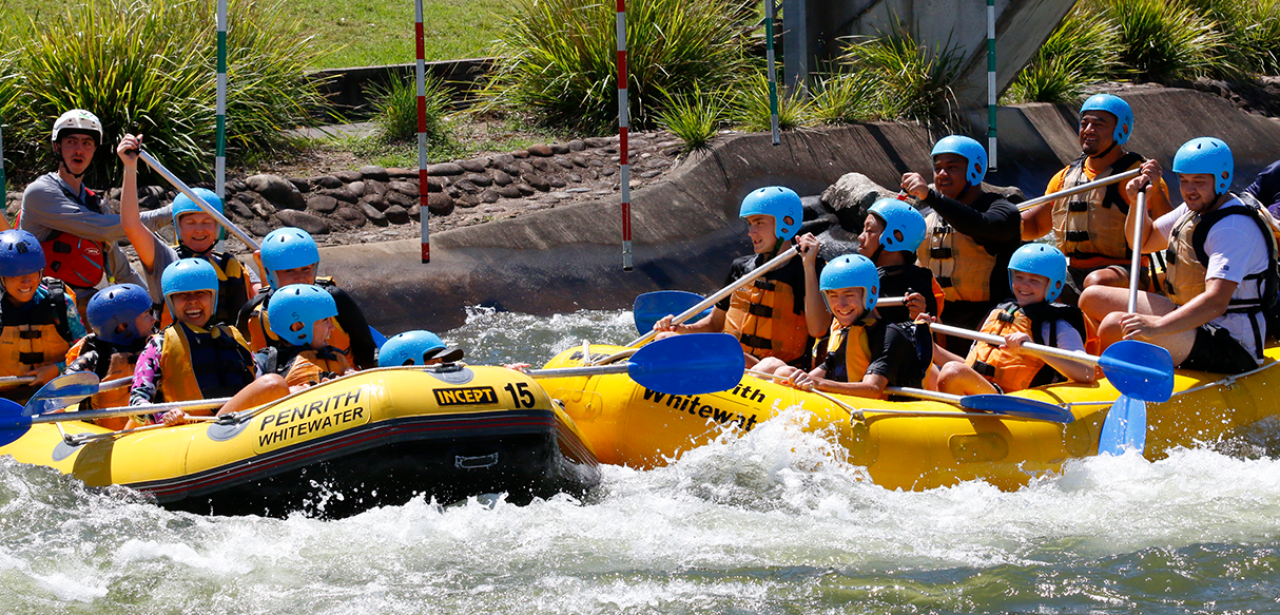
[(183, 205), (852, 271), (117, 305), (1041, 259), (415, 348), (187, 275), (968, 149), (1209, 156), (287, 248), (299, 304), (1115, 106), (20, 254), (782, 204), (899, 219)]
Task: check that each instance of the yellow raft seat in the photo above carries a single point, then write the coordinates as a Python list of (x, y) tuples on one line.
[(379, 437), (629, 424)]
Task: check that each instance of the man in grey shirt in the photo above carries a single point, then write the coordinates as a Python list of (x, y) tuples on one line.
[(59, 210)]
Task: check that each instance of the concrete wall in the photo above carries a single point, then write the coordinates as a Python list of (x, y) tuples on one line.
[(686, 229)]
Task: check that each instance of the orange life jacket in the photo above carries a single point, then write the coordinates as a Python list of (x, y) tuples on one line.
[(305, 366), (33, 336), (961, 267), (1091, 224), (763, 316), (1012, 371), (200, 363)]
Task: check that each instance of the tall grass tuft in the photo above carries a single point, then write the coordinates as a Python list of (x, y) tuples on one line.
[(396, 109), (1251, 29), (1080, 53), (559, 56), (695, 117), (841, 98), (150, 67), (1164, 40), (752, 110), (911, 81)]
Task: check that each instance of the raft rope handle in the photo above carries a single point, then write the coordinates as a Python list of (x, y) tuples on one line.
[(81, 439)]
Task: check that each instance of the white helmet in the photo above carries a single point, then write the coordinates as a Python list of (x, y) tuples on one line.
[(78, 120)]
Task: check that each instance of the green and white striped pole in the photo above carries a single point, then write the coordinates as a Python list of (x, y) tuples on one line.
[(220, 164), (991, 85), (773, 71)]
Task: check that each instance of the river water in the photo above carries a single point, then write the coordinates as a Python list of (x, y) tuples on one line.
[(773, 521)]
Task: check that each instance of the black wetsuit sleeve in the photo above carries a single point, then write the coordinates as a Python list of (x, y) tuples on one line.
[(353, 322), (736, 272), (246, 311), (999, 226), (895, 359), (1266, 187)]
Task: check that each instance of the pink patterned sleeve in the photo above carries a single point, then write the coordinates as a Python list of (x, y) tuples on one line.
[(146, 374)]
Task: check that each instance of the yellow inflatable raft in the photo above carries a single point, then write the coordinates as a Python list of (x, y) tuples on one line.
[(373, 438), (629, 424)]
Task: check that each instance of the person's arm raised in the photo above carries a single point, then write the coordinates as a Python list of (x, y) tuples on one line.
[(130, 215)]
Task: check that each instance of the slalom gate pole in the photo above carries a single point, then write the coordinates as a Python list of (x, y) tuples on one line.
[(3, 193), (421, 75), (623, 114), (991, 85), (220, 163), (773, 71)]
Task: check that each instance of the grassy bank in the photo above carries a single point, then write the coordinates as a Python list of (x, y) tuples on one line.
[(366, 32)]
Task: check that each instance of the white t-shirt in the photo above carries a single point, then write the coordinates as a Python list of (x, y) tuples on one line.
[(1236, 248)]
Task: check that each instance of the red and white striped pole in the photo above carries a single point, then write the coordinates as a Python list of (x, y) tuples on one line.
[(625, 168), (421, 70)]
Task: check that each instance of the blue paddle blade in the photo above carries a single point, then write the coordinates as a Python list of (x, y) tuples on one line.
[(61, 392), (651, 307), (378, 338), (1139, 370), (692, 364), (1125, 427), (13, 423), (1017, 406)]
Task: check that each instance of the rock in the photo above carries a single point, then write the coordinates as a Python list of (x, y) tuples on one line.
[(595, 162), (851, 196), (349, 176), (546, 165), (522, 167), (501, 178), (538, 182), (278, 190), (439, 204), (475, 165), (445, 168), (525, 189), (322, 203), (511, 169), (520, 153), (608, 171), (559, 148), (374, 172), (578, 190), (356, 188), (557, 182), (397, 198), (342, 194), (575, 178), (655, 173), (540, 150), (327, 181), (502, 159), (577, 145), (238, 209), (466, 186), (378, 201), (152, 197), (415, 212), (564, 163), (511, 192), (310, 223), (490, 196), (436, 184), (373, 215), (480, 179), (1013, 194), (302, 185), (237, 185), (261, 207), (351, 216), (467, 201), (406, 188), (579, 161), (597, 142), (400, 173), (259, 228), (397, 215)]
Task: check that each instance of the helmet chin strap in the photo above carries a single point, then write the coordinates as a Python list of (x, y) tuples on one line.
[(62, 162), (1106, 151)]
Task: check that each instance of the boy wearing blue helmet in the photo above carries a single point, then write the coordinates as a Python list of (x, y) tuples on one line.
[(1037, 275), (780, 313), (122, 322), (196, 358), (864, 353), (891, 234), (301, 315), (38, 318), (421, 348), (290, 256), (198, 233), (970, 235), (1087, 227), (1220, 276)]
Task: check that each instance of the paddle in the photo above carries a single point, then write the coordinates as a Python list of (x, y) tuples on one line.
[(651, 307), (1106, 181), (14, 421), (11, 381), (1126, 424), (756, 273), (692, 364), (1137, 369), (61, 392), (991, 406)]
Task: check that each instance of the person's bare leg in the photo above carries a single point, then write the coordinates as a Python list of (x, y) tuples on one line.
[(960, 379), (770, 365), (1107, 277), (1111, 330), (264, 390)]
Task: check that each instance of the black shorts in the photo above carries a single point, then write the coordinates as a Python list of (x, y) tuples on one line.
[(1216, 351)]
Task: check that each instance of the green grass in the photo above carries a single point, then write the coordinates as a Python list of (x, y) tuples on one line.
[(367, 32)]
